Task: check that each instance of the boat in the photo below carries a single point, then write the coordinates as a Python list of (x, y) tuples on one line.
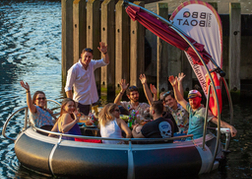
[(136, 158), (58, 157)]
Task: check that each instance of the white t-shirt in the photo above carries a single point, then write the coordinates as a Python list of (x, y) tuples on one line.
[(111, 130)]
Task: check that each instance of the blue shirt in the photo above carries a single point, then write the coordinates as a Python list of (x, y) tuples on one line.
[(41, 118), (196, 120)]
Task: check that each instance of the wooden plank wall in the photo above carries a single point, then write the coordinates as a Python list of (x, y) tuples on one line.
[(85, 24)]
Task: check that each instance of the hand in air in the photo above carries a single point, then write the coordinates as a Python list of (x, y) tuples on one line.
[(143, 78), (153, 89), (181, 76), (25, 85), (173, 80), (102, 48), (123, 84)]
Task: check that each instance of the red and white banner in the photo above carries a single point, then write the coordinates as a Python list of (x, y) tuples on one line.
[(201, 21)]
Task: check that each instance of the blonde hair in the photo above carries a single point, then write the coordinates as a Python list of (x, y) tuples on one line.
[(105, 114)]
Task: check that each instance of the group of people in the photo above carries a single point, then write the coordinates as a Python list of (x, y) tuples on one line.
[(171, 115), (81, 78)]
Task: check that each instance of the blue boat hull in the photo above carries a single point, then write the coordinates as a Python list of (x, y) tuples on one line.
[(97, 160)]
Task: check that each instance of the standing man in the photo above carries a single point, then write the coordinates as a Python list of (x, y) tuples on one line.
[(81, 77), (196, 111)]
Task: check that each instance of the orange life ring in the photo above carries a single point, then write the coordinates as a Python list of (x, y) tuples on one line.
[(212, 101)]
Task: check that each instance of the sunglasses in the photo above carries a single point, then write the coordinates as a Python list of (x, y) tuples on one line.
[(133, 88), (43, 98), (167, 93), (118, 110), (88, 50)]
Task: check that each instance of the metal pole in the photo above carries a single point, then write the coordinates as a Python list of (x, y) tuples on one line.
[(206, 114), (230, 101), (26, 116)]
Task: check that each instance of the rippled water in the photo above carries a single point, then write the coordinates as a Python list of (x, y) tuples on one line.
[(30, 50)]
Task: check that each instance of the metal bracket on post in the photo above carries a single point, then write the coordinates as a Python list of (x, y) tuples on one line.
[(26, 117)]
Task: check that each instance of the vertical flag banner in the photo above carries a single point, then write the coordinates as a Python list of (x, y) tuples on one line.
[(200, 21)]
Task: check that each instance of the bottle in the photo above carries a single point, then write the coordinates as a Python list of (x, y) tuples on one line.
[(130, 122), (133, 116), (128, 107), (95, 110), (80, 115), (138, 119)]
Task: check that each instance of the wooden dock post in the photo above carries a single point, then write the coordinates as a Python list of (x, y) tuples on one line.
[(162, 53), (108, 36), (67, 37), (214, 4), (234, 46), (94, 34), (79, 28), (137, 33), (187, 70), (122, 45)]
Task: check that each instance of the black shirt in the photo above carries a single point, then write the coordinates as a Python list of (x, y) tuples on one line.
[(159, 128), (168, 115)]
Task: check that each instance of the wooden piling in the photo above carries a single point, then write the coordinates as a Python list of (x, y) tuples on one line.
[(79, 28), (187, 70), (67, 37), (94, 34), (137, 34), (214, 4), (162, 53), (122, 45), (108, 36), (234, 46)]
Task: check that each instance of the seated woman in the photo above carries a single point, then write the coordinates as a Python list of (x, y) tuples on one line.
[(40, 115), (111, 125), (67, 121)]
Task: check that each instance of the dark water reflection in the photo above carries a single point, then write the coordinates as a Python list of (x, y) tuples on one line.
[(30, 50)]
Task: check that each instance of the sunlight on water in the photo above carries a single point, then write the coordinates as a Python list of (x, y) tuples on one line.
[(30, 50)]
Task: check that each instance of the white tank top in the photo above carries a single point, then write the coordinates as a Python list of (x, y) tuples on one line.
[(111, 130)]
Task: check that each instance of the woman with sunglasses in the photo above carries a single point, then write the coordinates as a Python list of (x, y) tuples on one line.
[(111, 125), (41, 117)]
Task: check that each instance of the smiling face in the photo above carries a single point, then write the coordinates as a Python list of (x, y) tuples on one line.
[(195, 102), (40, 100), (170, 101), (86, 58), (134, 96), (69, 107)]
